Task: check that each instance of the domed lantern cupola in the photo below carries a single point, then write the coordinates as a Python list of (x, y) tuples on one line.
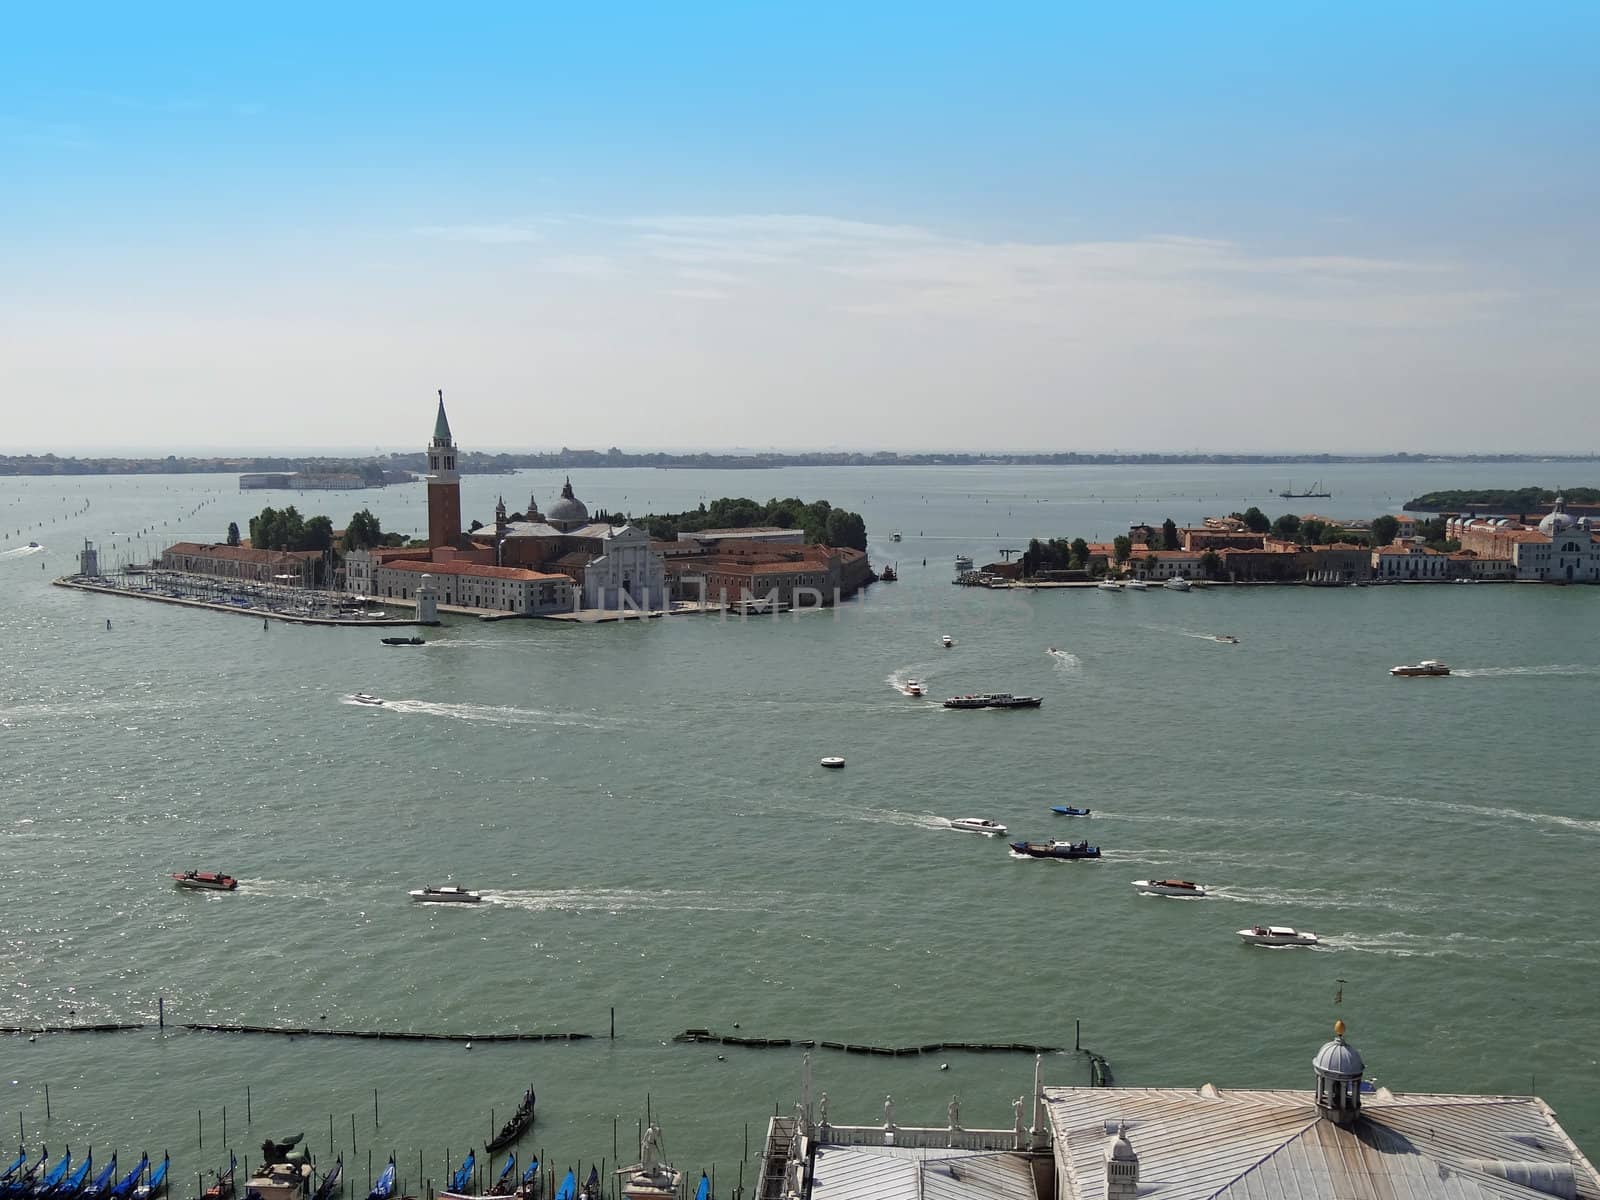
[(1339, 1068), (1122, 1166)]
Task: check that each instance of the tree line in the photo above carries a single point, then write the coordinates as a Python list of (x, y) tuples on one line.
[(286, 529)]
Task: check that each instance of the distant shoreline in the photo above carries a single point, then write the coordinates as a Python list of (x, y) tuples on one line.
[(49, 465)]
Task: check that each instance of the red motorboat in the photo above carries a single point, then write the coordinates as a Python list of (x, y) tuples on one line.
[(206, 881)]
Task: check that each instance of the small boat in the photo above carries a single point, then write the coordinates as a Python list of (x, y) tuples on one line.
[(448, 894), (503, 1185), (22, 1184), (833, 762), (1109, 585), (74, 1182), (131, 1179), (889, 575), (1056, 849), (222, 1189), (947, 641), (17, 1165), (368, 699), (1177, 584), (156, 1184), (330, 1182), (978, 825), (1137, 585), (1278, 935), (895, 536), (1066, 810), (913, 688), (568, 1189), (530, 1174), (35, 545), (703, 1192), (103, 1181), (55, 1175), (963, 563), (403, 641), (1226, 639), (1169, 887), (382, 1190), (514, 1128), (1428, 666), (461, 1180), (591, 1186), (206, 881)]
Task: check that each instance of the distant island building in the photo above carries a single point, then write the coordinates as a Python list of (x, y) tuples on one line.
[(1561, 548), (1344, 1139)]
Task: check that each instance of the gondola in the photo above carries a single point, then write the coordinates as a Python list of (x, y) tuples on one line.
[(569, 1188), (102, 1182), (222, 1189), (501, 1186), (703, 1192), (591, 1186), (73, 1183), (330, 1181), (21, 1161), (56, 1175), (462, 1179), (130, 1180), (384, 1188), (529, 1175), (156, 1184), (22, 1184), (516, 1126)]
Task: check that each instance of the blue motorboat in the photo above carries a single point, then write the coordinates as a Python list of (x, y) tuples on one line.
[(1066, 810), (1056, 849), (384, 1188)]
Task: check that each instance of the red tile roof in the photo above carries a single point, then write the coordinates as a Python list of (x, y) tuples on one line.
[(476, 570)]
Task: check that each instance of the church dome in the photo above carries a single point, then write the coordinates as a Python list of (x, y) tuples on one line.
[(1338, 1057), (568, 510), (1119, 1148), (1558, 520)]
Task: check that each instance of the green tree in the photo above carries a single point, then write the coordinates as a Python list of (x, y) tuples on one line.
[(316, 534), (1121, 547), (1313, 531), (233, 533), (363, 531), (1169, 534), (1384, 529), (1211, 564), (847, 529), (1286, 527), (1255, 520), (1080, 553)]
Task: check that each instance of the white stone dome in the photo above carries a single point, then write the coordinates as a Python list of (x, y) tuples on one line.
[(1119, 1148), (568, 509), (1558, 520)]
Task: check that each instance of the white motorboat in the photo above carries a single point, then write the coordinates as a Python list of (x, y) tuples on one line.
[(833, 762), (912, 687), (963, 563), (1137, 585), (448, 894), (1177, 584), (1109, 585), (1428, 666), (368, 699), (947, 641), (1278, 935), (1226, 639), (978, 825), (1169, 887)]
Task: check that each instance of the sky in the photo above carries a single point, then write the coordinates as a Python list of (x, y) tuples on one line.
[(1164, 226)]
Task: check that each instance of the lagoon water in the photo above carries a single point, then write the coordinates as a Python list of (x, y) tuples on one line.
[(644, 807)]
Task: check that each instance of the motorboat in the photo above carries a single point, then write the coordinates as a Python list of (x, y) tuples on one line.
[(1109, 585), (1137, 585), (403, 641), (963, 563), (1170, 887), (368, 699), (448, 894), (1428, 666), (1177, 584), (978, 825), (1056, 849), (1278, 935), (913, 688), (895, 536), (967, 702), (1066, 810), (947, 641), (1226, 639), (33, 545), (206, 881), (994, 700), (833, 762)]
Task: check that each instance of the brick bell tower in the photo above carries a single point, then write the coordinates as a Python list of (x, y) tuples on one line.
[(444, 485)]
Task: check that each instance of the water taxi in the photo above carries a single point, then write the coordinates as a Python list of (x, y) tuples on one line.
[(1278, 935), (1109, 585), (368, 699), (978, 825), (947, 641), (448, 894), (1428, 666), (1177, 584), (1169, 887), (1137, 585), (912, 687)]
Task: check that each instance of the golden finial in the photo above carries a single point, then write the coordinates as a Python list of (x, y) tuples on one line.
[(1338, 1028)]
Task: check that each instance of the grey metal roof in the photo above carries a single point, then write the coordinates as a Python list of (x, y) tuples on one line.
[(1273, 1145), (539, 529), (906, 1173)]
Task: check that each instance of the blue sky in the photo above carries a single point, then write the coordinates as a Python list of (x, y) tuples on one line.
[(1230, 226)]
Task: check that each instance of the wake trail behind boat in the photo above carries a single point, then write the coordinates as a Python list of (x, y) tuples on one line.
[(1584, 824), (1065, 660), (21, 552), (618, 900), (1511, 672), (498, 714)]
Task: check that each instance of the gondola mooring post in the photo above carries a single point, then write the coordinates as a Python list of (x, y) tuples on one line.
[(247, 1104), (200, 1124), (613, 1022), (224, 1128), (375, 1108), (47, 1102), (353, 1134)]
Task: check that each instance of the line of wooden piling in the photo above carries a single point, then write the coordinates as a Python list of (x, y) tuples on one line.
[(760, 1043)]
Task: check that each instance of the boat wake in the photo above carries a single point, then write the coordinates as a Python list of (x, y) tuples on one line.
[(1397, 943), (1486, 812), (497, 714), (21, 552), (1065, 660), (621, 900), (900, 676), (1388, 900), (1512, 672), (906, 820)]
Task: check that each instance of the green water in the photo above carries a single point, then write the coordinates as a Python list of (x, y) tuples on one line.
[(643, 805)]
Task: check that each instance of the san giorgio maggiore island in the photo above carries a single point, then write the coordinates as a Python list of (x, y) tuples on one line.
[(562, 564)]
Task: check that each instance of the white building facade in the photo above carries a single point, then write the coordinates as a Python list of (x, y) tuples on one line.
[(627, 574)]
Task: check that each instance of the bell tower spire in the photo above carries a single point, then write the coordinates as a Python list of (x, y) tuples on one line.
[(444, 484)]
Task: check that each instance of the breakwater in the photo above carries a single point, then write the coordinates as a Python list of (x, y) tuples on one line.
[(762, 1043)]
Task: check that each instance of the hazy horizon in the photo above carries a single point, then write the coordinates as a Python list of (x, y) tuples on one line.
[(1040, 227)]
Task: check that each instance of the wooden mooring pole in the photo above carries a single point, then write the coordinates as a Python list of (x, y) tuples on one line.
[(47, 1102), (200, 1124), (247, 1104)]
